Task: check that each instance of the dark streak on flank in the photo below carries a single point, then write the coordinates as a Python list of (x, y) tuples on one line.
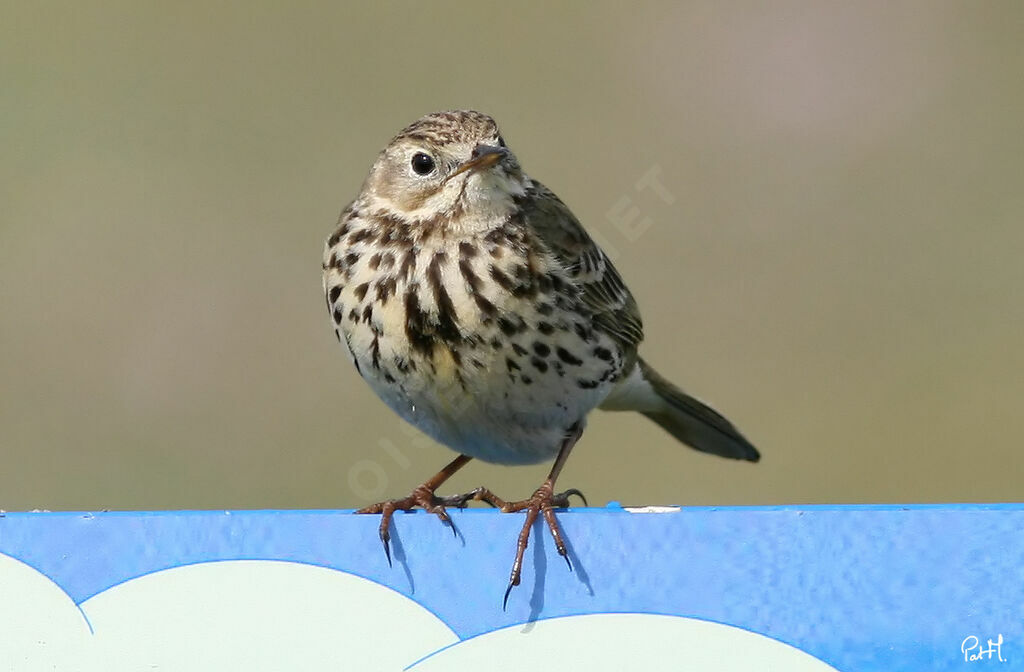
[(362, 235), (507, 326), (360, 291), (485, 306), (336, 236), (503, 280), (473, 281), (582, 331), (408, 264), (447, 318), (375, 352), (385, 288), (568, 357), (466, 269), (416, 323)]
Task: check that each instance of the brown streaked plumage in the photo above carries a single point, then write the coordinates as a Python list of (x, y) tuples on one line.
[(477, 307)]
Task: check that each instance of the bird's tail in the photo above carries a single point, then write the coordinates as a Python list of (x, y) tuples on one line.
[(691, 421)]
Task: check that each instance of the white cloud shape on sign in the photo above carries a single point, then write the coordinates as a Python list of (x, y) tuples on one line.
[(267, 615), (259, 615), (622, 642), (238, 615), (40, 627)]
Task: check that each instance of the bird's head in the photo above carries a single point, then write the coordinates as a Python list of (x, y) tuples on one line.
[(448, 167)]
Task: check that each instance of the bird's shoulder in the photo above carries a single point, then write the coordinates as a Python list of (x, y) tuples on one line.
[(601, 288)]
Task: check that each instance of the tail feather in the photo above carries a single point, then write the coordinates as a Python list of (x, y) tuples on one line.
[(687, 419)]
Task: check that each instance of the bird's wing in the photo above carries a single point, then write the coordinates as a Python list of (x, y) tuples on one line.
[(601, 288)]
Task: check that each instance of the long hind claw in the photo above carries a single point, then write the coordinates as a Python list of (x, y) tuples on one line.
[(422, 497)]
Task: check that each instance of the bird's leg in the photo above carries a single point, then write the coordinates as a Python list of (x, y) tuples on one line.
[(423, 496), (544, 501)]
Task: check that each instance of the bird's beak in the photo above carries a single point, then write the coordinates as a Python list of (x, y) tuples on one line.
[(484, 156)]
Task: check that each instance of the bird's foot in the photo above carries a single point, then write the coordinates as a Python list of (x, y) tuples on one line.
[(544, 501), (423, 497)]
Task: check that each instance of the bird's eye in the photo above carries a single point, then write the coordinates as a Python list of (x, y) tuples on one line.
[(422, 164), (501, 141)]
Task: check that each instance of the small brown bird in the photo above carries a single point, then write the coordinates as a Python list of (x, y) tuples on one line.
[(476, 306)]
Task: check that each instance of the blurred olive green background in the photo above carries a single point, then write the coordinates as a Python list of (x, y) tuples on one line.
[(840, 269)]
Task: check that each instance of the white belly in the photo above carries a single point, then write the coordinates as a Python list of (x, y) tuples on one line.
[(496, 417)]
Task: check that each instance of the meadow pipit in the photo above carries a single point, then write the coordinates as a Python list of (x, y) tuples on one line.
[(475, 305)]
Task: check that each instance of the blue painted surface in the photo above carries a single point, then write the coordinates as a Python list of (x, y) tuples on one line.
[(860, 587)]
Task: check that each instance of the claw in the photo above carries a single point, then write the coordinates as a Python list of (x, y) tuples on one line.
[(573, 491), (422, 497), (387, 509), (543, 502), (508, 591)]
